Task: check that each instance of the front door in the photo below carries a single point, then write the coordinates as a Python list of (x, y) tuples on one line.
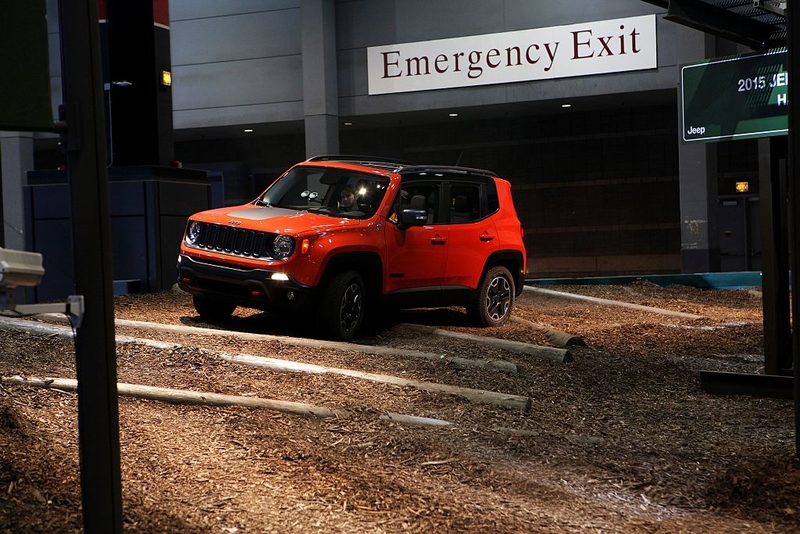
[(416, 256)]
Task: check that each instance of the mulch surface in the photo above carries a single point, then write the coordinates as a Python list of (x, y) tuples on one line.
[(621, 439)]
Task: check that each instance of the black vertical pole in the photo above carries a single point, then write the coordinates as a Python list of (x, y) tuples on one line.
[(793, 54), (85, 145), (775, 257)]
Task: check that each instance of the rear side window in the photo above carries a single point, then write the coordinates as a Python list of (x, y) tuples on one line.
[(465, 202), (492, 199)]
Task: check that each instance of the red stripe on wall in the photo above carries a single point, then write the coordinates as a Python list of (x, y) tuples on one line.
[(161, 12)]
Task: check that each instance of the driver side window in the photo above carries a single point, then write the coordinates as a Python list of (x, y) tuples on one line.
[(420, 196)]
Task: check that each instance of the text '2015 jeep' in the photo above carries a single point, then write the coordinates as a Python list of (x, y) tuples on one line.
[(336, 237)]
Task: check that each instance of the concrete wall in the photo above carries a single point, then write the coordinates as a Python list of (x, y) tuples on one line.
[(235, 62)]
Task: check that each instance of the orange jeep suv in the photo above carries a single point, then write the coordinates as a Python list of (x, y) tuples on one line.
[(337, 237)]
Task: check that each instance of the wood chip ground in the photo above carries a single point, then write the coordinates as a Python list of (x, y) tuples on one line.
[(621, 439)]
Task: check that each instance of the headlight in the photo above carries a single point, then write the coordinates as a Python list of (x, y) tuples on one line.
[(282, 247), (193, 233)]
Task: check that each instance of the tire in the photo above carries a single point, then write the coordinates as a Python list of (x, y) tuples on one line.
[(341, 311), (212, 310), (495, 299)]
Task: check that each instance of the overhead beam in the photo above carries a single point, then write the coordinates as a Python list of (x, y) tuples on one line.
[(723, 23), (717, 21)]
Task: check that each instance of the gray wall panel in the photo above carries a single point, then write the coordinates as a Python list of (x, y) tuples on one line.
[(244, 115), (235, 62), (193, 9), (363, 23), (524, 14), (235, 37), (238, 83)]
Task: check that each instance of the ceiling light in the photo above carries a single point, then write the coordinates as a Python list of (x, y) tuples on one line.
[(454, 114), (566, 105), (248, 130)]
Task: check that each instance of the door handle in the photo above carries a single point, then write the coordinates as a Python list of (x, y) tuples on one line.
[(438, 240), (486, 238)]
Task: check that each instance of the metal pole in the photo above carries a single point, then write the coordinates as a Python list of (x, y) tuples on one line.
[(85, 145), (794, 209)]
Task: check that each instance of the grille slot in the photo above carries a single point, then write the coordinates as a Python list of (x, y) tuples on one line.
[(235, 241)]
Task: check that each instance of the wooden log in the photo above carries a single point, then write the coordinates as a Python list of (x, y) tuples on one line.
[(176, 396), (25, 325), (552, 353), (463, 363), (414, 420), (608, 302), (182, 396), (556, 337), (474, 395)]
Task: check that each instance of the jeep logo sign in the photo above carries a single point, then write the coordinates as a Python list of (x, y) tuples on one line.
[(694, 130), (544, 53)]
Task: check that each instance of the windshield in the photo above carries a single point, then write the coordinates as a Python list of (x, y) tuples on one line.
[(329, 191)]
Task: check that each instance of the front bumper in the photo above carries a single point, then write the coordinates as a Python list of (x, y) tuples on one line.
[(249, 288)]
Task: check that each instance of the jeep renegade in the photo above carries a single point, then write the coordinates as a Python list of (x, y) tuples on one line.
[(337, 237)]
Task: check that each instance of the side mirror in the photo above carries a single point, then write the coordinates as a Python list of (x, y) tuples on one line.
[(412, 217)]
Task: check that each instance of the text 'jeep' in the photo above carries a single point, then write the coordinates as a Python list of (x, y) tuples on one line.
[(336, 236)]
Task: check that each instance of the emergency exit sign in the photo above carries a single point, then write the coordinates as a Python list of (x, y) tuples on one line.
[(736, 97)]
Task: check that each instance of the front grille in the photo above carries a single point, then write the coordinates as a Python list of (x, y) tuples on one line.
[(235, 241)]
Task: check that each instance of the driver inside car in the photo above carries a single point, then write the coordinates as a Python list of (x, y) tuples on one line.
[(347, 199)]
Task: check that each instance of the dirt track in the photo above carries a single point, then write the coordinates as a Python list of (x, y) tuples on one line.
[(619, 440)]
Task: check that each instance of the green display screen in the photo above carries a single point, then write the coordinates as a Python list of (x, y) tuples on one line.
[(24, 67), (735, 97)]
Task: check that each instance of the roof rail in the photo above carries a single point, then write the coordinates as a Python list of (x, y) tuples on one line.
[(359, 159), (447, 168), (400, 165)]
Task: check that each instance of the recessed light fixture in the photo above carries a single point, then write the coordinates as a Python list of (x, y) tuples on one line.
[(566, 105), (454, 114), (348, 123), (248, 130)]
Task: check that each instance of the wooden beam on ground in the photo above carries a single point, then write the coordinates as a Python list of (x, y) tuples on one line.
[(461, 363), (175, 396), (552, 353), (517, 402), (182, 396), (608, 302), (556, 337)]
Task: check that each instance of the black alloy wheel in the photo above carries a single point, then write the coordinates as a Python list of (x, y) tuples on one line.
[(341, 311), (495, 298)]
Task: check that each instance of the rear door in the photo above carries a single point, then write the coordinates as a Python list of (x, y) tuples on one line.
[(472, 232)]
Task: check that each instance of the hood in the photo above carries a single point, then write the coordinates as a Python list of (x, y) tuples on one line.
[(274, 220)]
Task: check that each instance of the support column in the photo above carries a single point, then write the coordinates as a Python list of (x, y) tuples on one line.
[(16, 156), (698, 175), (320, 90), (698, 196), (140, 91), (773, 208)]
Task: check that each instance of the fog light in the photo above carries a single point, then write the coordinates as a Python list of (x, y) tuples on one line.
[(290, 295)]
